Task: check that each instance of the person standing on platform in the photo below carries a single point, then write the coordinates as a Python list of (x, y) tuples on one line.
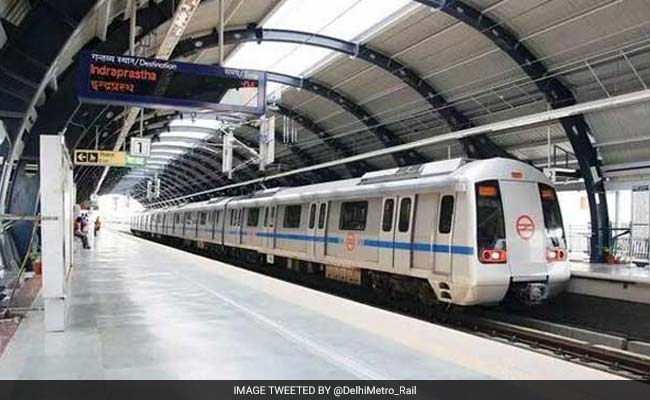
[(98, 225), (79, 226)]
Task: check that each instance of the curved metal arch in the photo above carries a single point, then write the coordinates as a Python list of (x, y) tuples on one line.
[(241, 157), (192, 170), (558, 95), (450, 114), (384, 135), (171, 185), (60, 105), (139, 191), (174, 180), (188, 170), (196, 169), (282, 110), (340, 148)]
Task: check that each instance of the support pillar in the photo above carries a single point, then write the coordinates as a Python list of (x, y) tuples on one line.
[(57, 198)]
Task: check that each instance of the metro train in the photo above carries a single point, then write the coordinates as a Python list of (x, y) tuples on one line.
[(455, 231)]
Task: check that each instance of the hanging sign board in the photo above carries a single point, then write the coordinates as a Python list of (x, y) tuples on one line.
[(140, 147), (159, 84), (134, 161), (100, 158)]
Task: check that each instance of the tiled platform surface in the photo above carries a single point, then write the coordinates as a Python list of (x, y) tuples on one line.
[(140, 310), (612, 281)]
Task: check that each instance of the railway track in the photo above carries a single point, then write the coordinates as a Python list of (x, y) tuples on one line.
[(590, 348), (618, 361)]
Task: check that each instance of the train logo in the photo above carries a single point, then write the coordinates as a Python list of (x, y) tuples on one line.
[(350, 242), (525, 227)]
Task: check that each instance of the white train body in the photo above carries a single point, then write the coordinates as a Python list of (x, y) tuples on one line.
[(473, 229)]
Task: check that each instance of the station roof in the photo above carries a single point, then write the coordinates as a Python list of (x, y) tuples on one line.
[(417, 70)]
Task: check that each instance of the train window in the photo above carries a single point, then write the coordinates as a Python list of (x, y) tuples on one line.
[(292, 216), (266, 216), (387, 221), (312, 216), (217, 217), (177, 218), (203, 218), (446, 214), (490, 222), (552, 216), (232, 217), (321, 215), (272, 217), (404, 215), (253, 217), (353, 216), (240, 217)]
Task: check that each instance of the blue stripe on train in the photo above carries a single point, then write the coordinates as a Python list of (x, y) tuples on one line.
[(305, 238), (425, 247), (420, 247)]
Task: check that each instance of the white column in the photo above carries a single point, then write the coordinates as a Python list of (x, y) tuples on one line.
[(56, 210)]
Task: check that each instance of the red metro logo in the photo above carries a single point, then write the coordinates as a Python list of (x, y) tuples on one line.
[(525, 227)]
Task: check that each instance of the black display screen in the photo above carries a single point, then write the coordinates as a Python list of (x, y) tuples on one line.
[(154, 83)]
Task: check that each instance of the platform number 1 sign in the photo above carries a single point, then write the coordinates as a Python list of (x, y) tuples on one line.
[(140, 147)]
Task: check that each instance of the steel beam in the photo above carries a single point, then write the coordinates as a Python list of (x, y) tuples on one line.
[(477, 148), (558, 95)]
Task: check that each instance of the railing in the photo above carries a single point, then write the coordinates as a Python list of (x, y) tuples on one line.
[(627, 244), (578, 242)]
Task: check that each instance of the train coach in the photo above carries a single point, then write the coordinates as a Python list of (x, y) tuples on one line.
[(458, 231)]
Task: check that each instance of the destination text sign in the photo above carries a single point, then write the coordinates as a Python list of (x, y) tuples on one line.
[(160, 84)]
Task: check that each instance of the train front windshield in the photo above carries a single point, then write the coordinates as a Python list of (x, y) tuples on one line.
[(490, 222), (552, 217)]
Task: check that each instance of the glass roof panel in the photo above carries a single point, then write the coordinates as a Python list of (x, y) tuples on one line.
[(344, 19), (185, 135)]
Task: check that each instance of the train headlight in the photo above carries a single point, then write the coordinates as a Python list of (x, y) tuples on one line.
[(493, 256)]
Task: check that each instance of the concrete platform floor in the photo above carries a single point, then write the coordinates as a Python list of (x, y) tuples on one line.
[(625, 282), (140, 310), (617, 272)]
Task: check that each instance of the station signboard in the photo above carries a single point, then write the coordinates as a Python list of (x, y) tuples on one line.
[(100, 158), (140, 147), (160, 84), (103, 158)]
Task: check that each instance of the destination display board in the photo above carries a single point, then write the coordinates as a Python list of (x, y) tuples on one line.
[(160, 84)]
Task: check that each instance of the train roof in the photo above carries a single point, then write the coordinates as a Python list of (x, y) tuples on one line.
[(453, 175)]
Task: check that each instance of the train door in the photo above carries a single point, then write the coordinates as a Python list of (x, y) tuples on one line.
[(235, 225), (444, 234), (220, 218), (212, 224), (387, 232), (175, 224), (320, 245), (311, 228), (241, 224), (269, 227), (403, 243), (524, 221)]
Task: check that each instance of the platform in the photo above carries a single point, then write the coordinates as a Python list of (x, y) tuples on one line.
[(141, 310), (613, 281)]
